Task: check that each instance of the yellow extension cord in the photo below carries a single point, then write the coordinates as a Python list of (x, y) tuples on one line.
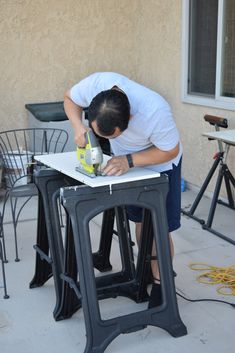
[(216, 275)]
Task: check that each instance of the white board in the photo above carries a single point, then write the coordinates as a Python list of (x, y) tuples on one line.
[(67, 162), (227, 136)]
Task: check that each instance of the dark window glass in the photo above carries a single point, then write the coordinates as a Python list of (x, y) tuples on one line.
[(228, 62), (202, 47)]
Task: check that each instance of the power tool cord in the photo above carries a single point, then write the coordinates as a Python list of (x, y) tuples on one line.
[(205, 300)]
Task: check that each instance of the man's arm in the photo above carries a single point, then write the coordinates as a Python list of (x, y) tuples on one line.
[(74, 114), (153, 155)]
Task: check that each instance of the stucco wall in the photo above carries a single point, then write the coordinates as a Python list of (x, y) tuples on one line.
[(46, 46)]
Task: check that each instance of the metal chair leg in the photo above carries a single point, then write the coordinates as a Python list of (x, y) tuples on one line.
[(4, 256), (6, 296), (14, 221)]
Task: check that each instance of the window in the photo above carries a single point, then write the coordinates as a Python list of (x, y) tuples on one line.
[(209, 53)]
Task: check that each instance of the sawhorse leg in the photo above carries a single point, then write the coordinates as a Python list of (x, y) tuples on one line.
[(228, 178), (197, 200), (223, 174)]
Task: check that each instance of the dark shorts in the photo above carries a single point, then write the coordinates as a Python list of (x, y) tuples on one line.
[(173, 201)]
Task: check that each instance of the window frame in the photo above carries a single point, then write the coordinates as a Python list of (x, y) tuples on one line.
[(218, 101)]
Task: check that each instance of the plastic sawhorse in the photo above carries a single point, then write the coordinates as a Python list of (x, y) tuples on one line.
[(84, 203)]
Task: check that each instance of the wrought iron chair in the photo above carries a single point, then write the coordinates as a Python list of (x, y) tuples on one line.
[(18, 148)]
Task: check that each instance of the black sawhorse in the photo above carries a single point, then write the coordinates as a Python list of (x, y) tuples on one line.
[(52, 257), (223, 174), (82, 204)]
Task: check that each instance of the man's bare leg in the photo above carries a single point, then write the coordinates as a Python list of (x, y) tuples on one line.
[(155, 298), (154, 264)]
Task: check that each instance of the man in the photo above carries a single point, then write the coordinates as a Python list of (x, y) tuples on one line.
[(139, 125)]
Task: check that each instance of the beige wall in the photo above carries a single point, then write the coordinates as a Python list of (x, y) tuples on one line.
[(47, 45)]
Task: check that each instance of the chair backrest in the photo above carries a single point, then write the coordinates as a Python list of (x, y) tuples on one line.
[(18, 148)]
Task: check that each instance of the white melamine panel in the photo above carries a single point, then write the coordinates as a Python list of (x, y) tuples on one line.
[(67, 162)]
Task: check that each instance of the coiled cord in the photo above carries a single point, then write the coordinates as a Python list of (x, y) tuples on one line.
[(215, 275)]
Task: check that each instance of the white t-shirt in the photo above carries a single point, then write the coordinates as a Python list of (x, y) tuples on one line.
[(151, 121)]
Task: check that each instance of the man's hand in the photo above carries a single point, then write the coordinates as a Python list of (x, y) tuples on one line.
[(116, 166), (79, 135)]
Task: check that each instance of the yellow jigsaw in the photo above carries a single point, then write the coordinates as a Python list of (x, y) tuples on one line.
[(90, 157)]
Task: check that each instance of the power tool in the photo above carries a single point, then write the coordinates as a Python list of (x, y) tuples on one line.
[(90, 157)]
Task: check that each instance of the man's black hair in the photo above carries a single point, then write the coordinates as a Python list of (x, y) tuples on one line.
[(110, 109)]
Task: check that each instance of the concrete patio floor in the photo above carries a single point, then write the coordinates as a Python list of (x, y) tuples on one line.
[(26, 320)]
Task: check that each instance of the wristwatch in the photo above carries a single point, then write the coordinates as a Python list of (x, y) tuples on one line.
[(130, 160)]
